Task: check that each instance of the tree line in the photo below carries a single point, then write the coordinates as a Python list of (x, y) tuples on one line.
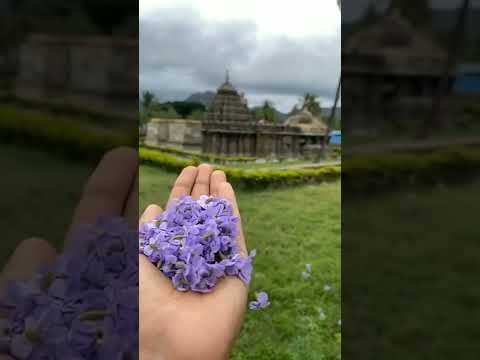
[(151, 107)]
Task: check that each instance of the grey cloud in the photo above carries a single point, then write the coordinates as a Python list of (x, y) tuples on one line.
[(180, 53)]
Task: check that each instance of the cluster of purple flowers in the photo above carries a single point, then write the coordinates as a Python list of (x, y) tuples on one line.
[(194, 244), (85, 306)]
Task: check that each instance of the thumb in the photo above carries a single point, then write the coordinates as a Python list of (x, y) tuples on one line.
[(28, 258)]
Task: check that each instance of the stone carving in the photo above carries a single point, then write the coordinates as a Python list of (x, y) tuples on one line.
[(231, 130)]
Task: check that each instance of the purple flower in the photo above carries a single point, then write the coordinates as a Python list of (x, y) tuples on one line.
[(261, 302), (82, 306), (194, 244)]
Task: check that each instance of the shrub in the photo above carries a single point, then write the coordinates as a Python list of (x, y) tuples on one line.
[(59, 134), (202, 157), (453, 164), (250, 179)]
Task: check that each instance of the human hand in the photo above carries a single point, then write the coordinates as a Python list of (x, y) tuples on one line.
[(178, 325), (111, 191)]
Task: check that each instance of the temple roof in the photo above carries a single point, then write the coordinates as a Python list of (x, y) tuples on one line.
[(394, 44), (307, 122), (229, 105), (226, 87)]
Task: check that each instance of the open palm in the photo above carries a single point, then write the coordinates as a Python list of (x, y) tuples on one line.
[(187, 325)]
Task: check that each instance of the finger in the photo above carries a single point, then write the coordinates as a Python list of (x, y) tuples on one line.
[(184, 183), (31, 255), (131, 206), (226, 191), (202, 182), (107, 189), (151, 212), (148, 272), (216, 179)]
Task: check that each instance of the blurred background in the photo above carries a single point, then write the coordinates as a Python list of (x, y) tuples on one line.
[(68, 94), (410, 126)]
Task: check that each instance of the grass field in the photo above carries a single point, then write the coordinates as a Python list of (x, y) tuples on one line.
[(39, 193), (289, 227), (411, 265)]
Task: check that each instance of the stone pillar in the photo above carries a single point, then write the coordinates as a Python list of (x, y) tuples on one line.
[(204, 142), (258, 141), (278, 146), (231, 145), (213, 143), (241, 145), (245, 145), (237, 144), (224, 145)]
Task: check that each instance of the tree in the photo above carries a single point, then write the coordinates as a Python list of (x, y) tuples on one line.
[(268, 111), (187, 108), (295, 110), (147, 100), (370, 14), (416, 11), (198, 115), (309, 102)]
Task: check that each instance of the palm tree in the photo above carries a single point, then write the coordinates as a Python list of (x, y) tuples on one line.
[(309, 102), (147, 100)]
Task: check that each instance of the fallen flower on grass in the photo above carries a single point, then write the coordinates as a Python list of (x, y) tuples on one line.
[(321, 314), (261, 302), (306, 274)]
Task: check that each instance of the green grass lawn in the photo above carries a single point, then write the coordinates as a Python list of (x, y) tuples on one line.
[(39, 193), (289, 227), (411, 260)]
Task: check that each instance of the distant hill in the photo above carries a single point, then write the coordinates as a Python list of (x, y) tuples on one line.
[(205, 98)]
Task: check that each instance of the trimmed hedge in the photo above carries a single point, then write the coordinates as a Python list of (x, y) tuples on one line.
[(450, 165), (59, 134), (64, 108), (249, 179), (203, 157)]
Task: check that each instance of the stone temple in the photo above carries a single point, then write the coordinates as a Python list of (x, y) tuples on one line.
[(230, 129), (390, 75)]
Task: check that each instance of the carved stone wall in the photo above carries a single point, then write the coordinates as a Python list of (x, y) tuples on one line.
[(263, 141), (181, 133), (51, 66)]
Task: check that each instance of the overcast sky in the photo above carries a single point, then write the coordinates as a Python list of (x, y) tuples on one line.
[(275, 50)]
